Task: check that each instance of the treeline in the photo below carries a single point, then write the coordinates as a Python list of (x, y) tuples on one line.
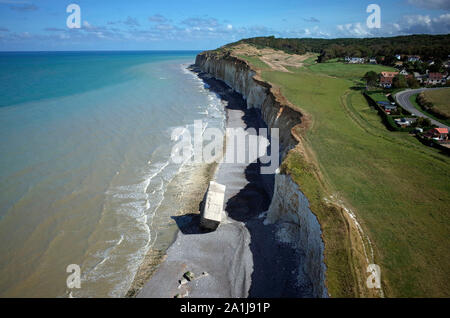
[(427, 46)]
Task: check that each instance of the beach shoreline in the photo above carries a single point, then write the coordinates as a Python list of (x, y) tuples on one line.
[(157, 253), (243, 257)]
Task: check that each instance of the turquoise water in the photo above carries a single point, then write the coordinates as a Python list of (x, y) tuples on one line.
[(85, 164)]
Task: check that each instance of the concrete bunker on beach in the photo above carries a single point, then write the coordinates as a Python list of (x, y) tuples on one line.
[(212, 210)]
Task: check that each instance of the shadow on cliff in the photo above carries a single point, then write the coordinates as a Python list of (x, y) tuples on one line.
[(189, 224), (275, 264)]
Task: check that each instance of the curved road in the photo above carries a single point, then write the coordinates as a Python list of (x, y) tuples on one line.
[(402, 99)]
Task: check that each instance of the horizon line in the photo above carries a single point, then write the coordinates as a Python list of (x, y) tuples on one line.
[(68, 51)]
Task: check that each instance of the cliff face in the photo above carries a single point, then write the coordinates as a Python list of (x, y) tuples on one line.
[(275, 110), (300, 227), (289, 206)]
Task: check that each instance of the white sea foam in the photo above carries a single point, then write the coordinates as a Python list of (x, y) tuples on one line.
[(141, 200)]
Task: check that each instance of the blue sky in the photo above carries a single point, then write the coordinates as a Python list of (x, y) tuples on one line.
[(200, 24)]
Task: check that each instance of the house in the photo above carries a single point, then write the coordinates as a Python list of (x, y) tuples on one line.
[(405, 122), (388, 107), (356, 60), (372, 60), (420, 77), (435, 78), (439, 134), (398, 64), (386, 79), (404, 72), (413, 58), (398, 57)]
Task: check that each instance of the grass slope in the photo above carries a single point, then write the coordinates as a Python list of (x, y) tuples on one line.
[(441, 101), (398, 188), (440, 98)]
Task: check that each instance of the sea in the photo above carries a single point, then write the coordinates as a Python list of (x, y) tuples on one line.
[(86, 176)]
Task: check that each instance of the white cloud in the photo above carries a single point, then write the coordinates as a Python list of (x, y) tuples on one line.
[(314, 32), (425, 24), (87, 25), (201, 22), (431, 4), (158, 18), (129, 21), (212, 30), (411, 24), (312, 20), (354, 29)]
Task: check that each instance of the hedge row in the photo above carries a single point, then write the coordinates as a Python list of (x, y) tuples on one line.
[(388, 120)]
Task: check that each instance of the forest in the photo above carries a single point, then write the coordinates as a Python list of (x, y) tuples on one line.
[(436, 47)]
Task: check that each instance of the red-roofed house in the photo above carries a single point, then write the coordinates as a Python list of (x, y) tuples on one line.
[(440, 134), (386, 79), (435, 78)]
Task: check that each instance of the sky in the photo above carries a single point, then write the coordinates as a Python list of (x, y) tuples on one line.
[(40, 25)]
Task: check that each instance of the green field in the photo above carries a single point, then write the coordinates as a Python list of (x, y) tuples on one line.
[(441, 105), (348, 71), (398, 188), (440, 98), (379, 97)]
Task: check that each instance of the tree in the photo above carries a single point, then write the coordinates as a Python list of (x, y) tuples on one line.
[(371, 78), (422, 122), (420, 67), (412, 82), (390, 60), (436, 67), (399, 81), (410, 67), (427, 46)]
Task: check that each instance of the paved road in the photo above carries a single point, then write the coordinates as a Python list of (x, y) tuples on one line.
[(403, 99)]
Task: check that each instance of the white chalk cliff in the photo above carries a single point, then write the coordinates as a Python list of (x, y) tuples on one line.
[(289, 206)]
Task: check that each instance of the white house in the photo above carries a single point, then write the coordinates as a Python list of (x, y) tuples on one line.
[(413, 58), (405, 122), (419, 77), (356, 60)]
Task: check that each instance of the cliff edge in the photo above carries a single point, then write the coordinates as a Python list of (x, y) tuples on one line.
[(289, 207)]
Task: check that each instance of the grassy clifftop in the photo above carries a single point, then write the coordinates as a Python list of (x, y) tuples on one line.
[(398, 189)]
